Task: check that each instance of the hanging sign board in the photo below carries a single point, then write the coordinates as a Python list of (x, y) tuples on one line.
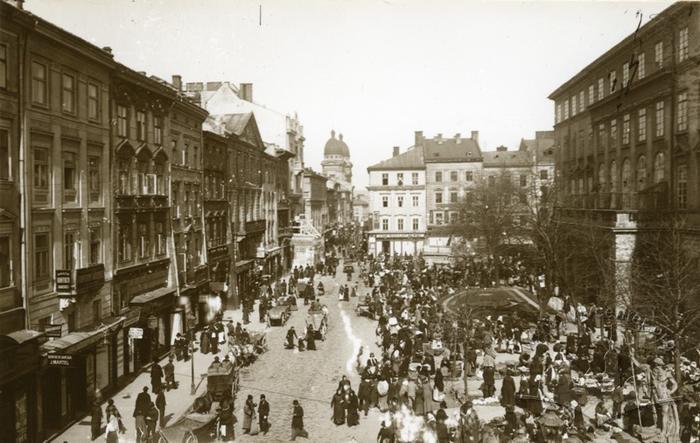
[(136, 333)]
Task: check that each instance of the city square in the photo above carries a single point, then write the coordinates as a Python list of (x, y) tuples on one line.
[(277, 243)]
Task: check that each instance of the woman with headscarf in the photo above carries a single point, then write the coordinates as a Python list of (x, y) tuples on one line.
[(338, 406), (310, 338), (508, 389), (248, 414), (351, 403)]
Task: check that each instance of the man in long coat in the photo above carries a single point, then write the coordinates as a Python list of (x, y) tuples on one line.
[(264, 414), (156, 376), (469, 425)]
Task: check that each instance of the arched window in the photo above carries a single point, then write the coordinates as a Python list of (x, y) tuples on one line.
[(613, 177), (659, 168), (641, 173), (626, 175)]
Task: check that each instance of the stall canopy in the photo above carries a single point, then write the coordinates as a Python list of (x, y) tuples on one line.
[(152, 295)]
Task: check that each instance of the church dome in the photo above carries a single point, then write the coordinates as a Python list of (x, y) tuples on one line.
[(336, 146)]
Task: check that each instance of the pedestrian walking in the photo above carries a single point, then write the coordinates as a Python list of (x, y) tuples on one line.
[(264, 414), (112, 435), (298, 421), (169, 371), (156, 376), (143, 401), (160, 404), (96, 419), (110, 411), (248, 414)]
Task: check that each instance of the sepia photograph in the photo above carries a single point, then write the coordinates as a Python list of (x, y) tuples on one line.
[(349, 221)]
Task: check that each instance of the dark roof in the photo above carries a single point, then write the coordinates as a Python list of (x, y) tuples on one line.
[(541, 147), (336, 146), (451, 150), (411, 159), (508, 159)]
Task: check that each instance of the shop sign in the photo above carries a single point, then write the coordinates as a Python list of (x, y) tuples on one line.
[(90, 278), (63, 360), (135, 333), (64, 282), (52, 331)]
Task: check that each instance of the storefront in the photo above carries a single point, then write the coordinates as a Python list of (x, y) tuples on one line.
[(244, 271), (77, 368), (160, 320), (19, 366)]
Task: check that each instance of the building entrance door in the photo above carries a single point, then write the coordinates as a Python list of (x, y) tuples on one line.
[(386, 247)]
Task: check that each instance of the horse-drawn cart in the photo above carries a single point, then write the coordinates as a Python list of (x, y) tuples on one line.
[(279, 315)]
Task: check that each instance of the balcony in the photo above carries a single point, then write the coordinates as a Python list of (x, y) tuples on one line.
[(133, 202), (255, 226)]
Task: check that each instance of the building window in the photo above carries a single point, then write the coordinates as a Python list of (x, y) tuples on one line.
[(523, 180), (612, 79), (140, 126), (415, 224), (659, 54), (95, 245), (574, 109), (385, 179), (566, 109), (438, 218), (69, 175), (625, 129), (682, 186), (4, 154), (93, 101), (613, 133), (454, 176), (3, 66), (438, 176), (5, 261), (558, 113), (41, 168), (659, 119), (683, 44), (195, 159), (414, 178), (94, 179), (41, 256), (68, 93), (641, 66), (158, 130), (682, 119), (176, 199), (601, 88), (544, 174), (71, 251), (96, 311), (124, 241), (385, 201), (144, 243), (160, 238), (625, 74), (39, 85), (581, 102), (453, 196), (438, 197), (122, 121), (659, 168), (399, 179), (399, 224), (173, 146), (124, 168), (642, 122), (385, 224), (492, 181), (159, 182), (415, 201), (591, 95), (469, 175), (641, 173), (399, 201)]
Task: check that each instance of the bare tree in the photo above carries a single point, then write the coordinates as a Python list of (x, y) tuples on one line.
[(666, 279)]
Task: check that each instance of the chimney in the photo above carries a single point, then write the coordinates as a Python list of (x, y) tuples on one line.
[(458, 138), (439, 138), (475, 136), (177, 82), (245, 92), (501, 149), (142, 73), (418, 138), (396, 151), (106, 49)]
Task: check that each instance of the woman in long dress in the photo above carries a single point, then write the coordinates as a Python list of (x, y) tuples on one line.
[(338, 406), (248, 414)]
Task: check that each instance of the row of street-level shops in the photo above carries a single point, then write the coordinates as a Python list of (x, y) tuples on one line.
[(49, 377)]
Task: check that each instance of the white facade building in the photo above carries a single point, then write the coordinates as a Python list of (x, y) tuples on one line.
[(397, 203)]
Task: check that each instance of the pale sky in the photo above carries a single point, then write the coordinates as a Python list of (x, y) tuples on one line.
[(374, 70)]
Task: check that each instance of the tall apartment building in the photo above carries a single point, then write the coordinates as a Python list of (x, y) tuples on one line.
[(397, 203), (627, 132), (452, 167)]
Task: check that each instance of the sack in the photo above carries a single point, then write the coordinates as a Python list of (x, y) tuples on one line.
[(437, 395)]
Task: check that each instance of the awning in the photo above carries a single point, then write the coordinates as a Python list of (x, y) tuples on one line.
[(23, 335), (79, 340), (152, 295), (242, 264)]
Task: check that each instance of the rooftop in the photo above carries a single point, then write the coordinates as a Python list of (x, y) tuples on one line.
[(456, 149), (506, 159), (411, 159)]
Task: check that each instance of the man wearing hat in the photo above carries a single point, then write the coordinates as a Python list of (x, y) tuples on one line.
[(469, 424)]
